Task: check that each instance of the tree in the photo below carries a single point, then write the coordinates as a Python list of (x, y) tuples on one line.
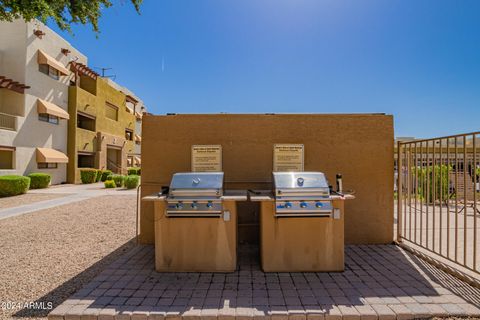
[(63, 12)]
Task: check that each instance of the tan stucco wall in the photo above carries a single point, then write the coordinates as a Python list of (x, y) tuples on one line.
[(13, 48), (304, 244), (195, 245), (358, 146), (138, 107), (90, 98)]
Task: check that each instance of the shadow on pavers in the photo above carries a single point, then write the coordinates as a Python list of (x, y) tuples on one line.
[(373, 274), (61, 293), (458, 287)]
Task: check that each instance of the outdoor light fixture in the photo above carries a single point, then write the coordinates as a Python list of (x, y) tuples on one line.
[(39, 33), (65, 51)]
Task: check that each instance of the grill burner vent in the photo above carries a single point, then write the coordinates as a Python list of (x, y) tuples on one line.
[(195, 194), (302, 194)]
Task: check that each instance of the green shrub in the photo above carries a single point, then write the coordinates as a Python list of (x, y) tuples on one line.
[(12, 185), (99, 175), (131, 181), (426, 181), (118, 178), (39, 180), (105, 174), (109, 177), (109, 184), (134, 170), (88, 175)]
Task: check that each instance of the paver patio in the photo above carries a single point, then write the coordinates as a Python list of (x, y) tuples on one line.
[(379, 282)]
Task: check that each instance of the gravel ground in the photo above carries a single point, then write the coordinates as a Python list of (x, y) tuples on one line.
[(15, 201), (48, 255)]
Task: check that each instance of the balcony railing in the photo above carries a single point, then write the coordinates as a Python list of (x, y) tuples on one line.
[(8, 122), (438, 190)]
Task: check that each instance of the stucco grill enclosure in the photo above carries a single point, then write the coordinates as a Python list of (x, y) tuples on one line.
[(360, 146), (196, 224), (301, 224)]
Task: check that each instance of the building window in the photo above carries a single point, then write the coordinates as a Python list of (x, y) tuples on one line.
[(129, 161), (86, 160), (7, 157), (47, 165), (86, 122), (48, 118), (111, 111), (129, 134), (49, 71)]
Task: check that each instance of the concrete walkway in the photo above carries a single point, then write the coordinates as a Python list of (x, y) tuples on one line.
[(73, 193)]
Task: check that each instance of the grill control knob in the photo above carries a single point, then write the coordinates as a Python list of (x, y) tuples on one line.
[(194, 205), (303, 204), (288, 205), (209, 205), (300, 181), (179, 205), (318, 204)]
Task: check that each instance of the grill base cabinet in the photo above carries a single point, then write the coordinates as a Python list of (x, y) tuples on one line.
[(195, 244), (301, 244), (196, 224)]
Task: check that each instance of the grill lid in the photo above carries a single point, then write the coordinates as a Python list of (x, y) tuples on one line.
[(300, 184), (197, 183), (287, 180)]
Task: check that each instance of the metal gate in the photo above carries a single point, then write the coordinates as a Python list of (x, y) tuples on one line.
[(437, 194)]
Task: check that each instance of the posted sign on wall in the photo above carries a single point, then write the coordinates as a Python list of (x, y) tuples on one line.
[(288, 157), (206, 158)]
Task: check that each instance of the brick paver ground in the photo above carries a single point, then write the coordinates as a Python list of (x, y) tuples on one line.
[(379, 282)]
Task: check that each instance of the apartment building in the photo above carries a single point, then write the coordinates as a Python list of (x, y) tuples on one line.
[(58, 115), (136, 106), (34, 81), (102, 126)]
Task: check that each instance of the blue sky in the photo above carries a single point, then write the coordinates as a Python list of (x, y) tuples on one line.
[(418, 60)]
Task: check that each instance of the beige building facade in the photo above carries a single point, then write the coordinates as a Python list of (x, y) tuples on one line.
[(40, 72), (33, 124)]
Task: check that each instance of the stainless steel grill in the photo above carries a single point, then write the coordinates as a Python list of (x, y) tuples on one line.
[(195, 194), (302, 194)]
